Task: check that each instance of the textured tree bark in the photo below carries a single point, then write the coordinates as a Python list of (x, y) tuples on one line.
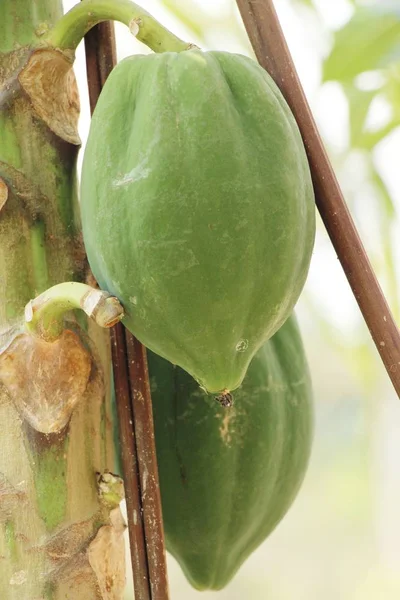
[(61, 531)]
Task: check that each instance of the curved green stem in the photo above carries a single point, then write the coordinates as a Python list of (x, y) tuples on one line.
[(72, 27), (44, 316)]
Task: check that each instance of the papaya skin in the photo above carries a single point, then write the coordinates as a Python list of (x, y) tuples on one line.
[(198, 208), (229, 475)]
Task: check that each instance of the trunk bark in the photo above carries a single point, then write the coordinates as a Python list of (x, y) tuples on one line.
[(61, 531)]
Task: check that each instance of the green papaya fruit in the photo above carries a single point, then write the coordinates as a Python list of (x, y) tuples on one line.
[(229, 475), (198, 208)]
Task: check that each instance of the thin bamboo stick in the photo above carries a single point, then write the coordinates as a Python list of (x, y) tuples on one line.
[(129, 457), (146, 454), (268, 41), (100, 58)]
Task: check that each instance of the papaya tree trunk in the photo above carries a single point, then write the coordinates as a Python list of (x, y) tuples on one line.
[(61, 531)]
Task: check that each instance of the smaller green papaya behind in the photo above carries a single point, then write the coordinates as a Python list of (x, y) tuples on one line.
[(229, 475)]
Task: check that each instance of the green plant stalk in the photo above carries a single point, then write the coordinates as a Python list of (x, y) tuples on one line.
[(44, 315), (70, 30), (39, 259), (55, 527), (24, 21)]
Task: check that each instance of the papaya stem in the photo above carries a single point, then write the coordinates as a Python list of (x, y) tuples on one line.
[(73, 26), (44, 316)]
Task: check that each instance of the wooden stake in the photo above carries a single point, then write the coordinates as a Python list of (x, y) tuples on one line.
[(137, 540), (132, 391), (147, 460), (268, 41)]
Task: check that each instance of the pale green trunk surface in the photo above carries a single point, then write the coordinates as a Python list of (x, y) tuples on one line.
[(58, 539)]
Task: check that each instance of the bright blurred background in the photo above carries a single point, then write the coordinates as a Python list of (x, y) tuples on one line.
[(341, 538)]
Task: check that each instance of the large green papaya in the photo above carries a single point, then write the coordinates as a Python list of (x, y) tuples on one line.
[(229, 475), (198, 208)]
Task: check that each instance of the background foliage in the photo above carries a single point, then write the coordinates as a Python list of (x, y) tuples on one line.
[(340, 541)]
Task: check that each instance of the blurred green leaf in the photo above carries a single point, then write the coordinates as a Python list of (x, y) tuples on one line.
[(199, 21), (355, 351), (392, 89), (371, 138), (189, 14), (369, 41), (388, 216), (359, 102), (309, 3)]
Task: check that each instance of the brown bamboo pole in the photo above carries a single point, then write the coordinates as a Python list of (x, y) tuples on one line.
[(132, 390), (146, 453), (268, 41), (100, 58), (129, 457)]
